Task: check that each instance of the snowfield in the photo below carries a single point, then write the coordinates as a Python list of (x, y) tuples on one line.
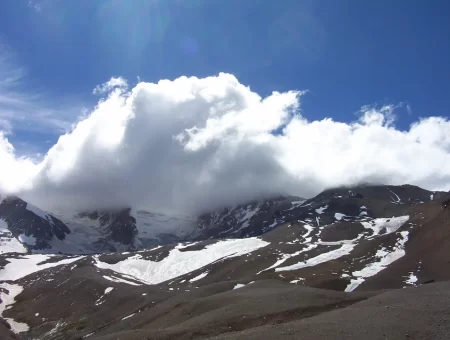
[(8, 293), (28, 264), (179, 263)]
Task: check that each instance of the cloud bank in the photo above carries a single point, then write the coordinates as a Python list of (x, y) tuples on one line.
[(192, 145)]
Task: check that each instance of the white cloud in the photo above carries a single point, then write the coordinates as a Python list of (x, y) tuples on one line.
[(113, 83), (193, 144)]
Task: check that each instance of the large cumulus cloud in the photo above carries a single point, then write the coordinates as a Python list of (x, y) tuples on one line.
[(191, 145)]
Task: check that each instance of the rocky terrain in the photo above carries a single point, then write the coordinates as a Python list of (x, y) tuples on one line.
[(366, 262)]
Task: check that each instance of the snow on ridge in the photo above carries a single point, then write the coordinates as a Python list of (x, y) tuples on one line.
[(179, 263), (345, 249), (245, 220), (395, 199), (384, 258), (24, 265), (285, 257), (7, 300), (391, 224), (42, 214)]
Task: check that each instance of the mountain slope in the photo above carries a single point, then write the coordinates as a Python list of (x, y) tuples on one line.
[(326, 259)]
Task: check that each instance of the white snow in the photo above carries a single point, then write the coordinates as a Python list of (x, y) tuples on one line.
[(8, 243), (7, 300), (3, 226), (354, 283), (391, 224), (321, 209), (384, 258), (152, 225), (248, 214), (108, 290), (178, 263), (395, 199), (239, 285), (199, 277), (30, 240), (339, 216), (412, 279), (182, 246), (27, 264), (116, 279), (42, 214), (345, 249), (284, 257), (296, 204), (296, 281), (129, 316), (431, 197), (306, 236)]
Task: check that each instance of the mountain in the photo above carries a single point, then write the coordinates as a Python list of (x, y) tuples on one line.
[(130, 230), (31, 226), (364, 262)]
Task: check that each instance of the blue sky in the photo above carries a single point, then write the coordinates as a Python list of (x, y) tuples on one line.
[(347, 53)]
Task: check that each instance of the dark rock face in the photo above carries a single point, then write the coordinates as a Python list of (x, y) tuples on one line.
[(123, 227), (248, 220), (22, 221), (120, 225)]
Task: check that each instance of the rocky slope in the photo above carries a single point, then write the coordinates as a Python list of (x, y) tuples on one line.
[(363, 262)]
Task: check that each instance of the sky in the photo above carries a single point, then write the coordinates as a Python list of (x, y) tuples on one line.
[(349, 77)]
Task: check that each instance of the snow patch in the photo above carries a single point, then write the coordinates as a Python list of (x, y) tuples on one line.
[(284, 257), (411, 279), (239, 285), (7, 300), (129, 316), (298, 280), (179, 263), (35, 210), (30, 240), (339, 216), (395, 199), (321, 209), (119, 280), (199, 277), (29, 264), (384, 257), (391, 224), (8, 243), (345, 249)]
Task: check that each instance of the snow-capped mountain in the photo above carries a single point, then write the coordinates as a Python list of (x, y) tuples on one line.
[(262, 263), (331, 253), (34, 228), (128, 230)]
